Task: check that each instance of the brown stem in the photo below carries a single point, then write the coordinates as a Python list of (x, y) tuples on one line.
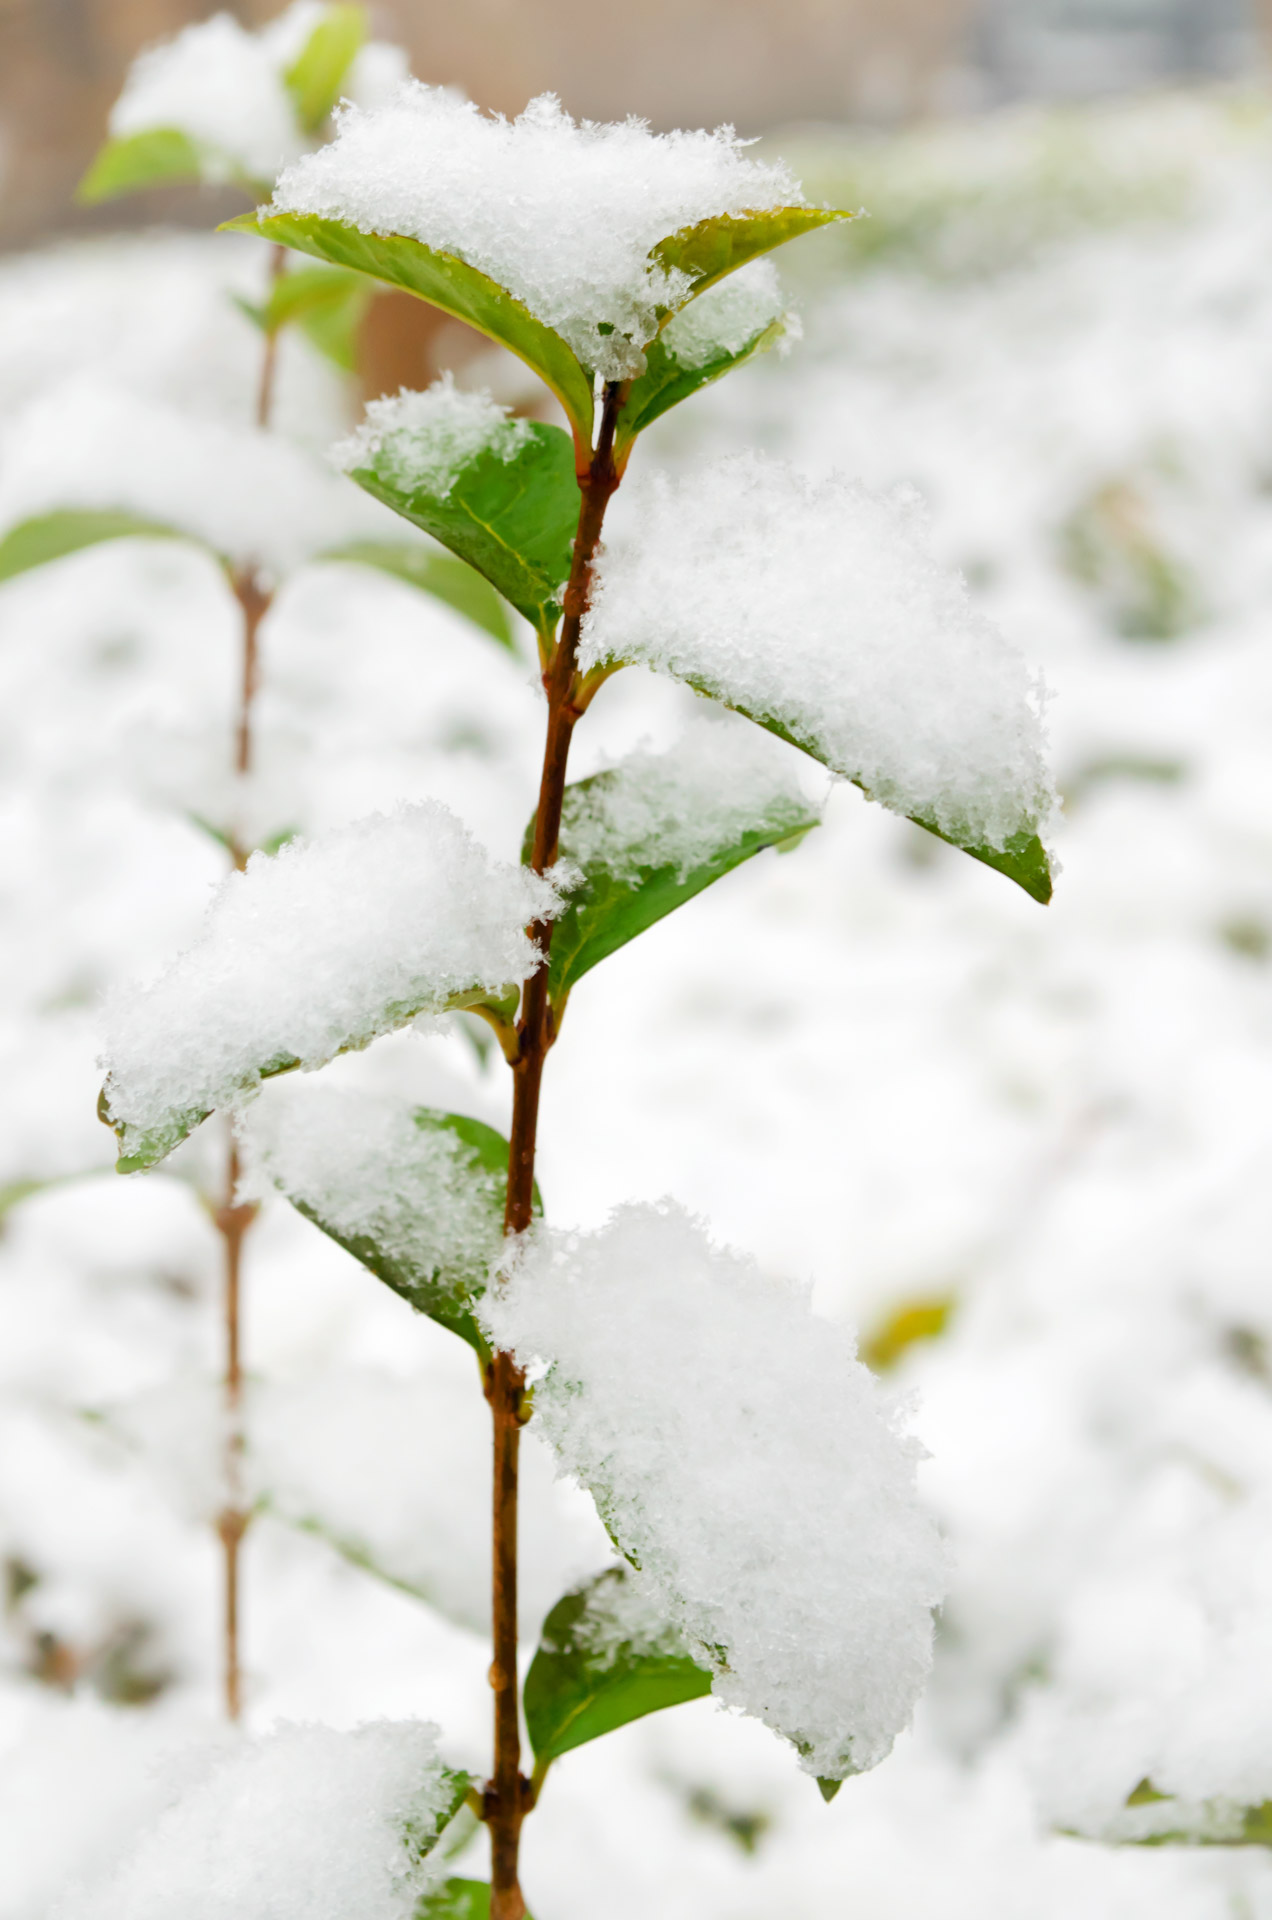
[(232, 1222), (509, 1796), (269, 359), (255, 604)]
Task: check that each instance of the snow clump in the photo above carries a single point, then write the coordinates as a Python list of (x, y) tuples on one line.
[(363, 1164), (318, 948), (561, 213), (425, 440), (306, 1824), (721, 779), (818, 605), (226, 89), (263, 504), (746, 1461), (728, 316)]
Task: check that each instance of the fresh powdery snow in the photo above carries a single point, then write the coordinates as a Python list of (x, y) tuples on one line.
[(306, 1824), (562, 214), (728, 316), (415, 440), (320, 947), (363, 1165), (818, 605), (226, 89), (747, 1462), (253, 497), (682, 808)]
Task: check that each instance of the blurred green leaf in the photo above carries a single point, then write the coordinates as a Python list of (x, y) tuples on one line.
[(457, 1900), (51, 536), (665, 382), (513, 520), (329, 304), (443, 1292), (608, 909), (318, 73), (599, 1664), (160, 157), (913, 1320), (1210, 1823), (440, 574), (445, 282), (726, 241)]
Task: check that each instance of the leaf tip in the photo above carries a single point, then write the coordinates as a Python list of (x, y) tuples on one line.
[(828, 1788)]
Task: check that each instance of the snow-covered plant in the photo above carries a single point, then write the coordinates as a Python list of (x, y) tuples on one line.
[(755, 1481), (88, 464)]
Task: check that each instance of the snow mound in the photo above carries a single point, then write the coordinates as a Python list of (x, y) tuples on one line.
[(320, 947), (561, 213), (747, 1463), (426, 439), (818, 605)]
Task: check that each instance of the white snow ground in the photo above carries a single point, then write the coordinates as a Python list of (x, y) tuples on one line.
[(872, 1063)]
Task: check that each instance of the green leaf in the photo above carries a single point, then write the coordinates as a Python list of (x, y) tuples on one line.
[(160, 157), (51, 536), (328, 303), (665, 382), (422, 1836), (439, 574), (726, 241), (444, 1291), (828, 1788), (600, 1663), (457, 1900), (924, 1318), (446, 282), (610, 908), (513, 520), (315, 78), (1022, 858)]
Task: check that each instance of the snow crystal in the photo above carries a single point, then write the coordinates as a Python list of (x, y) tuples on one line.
[(623, 1611), (426, 439), (306, 1824), (361, 1162), (747, 1463), (563, 215), (224, 87), (320, 947), (726, 316), (681, 808), (253, 497), (818, 605)]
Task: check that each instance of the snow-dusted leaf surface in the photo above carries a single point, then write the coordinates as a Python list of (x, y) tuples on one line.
[(312, 951), (818, 609), (747, 1463)]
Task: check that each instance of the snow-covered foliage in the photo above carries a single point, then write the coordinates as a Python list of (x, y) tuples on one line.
[(727, 316), (318, 948), (226, 88), (820, 606), (562, 214), (714, 1418), (255, 498), (306, 1824), (426, 439), (876, 1064)]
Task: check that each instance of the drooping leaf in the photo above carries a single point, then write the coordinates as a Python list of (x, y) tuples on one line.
[(513, 520), (617, 900), (828, 1788), (318, 73), (666, 382), (446, 282), (159, 157), (1022, 858), (51, 536), (603, 1659), (724, 242), (445, 1288), (439, 574)]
